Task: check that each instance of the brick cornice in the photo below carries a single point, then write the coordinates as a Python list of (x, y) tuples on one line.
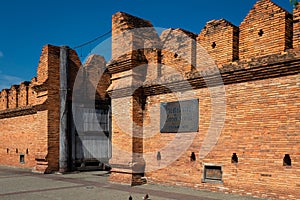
[(272, 66), (21, 111), (41, 87), (237, 74), (124, 65)]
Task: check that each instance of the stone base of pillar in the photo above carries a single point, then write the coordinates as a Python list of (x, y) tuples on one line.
[(126, 176)]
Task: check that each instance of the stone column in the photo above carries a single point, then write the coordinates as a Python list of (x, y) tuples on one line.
[(63, 129)]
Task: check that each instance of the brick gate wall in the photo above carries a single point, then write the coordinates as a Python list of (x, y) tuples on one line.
[(260, 72), (29, 115)]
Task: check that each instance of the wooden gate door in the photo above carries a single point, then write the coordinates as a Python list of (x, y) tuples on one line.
[(92, 139)]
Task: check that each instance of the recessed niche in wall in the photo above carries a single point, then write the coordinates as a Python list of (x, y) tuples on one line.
[(213, 45), (260, 32), (22, 158), (212, 173), (234, 158), (287, 160), (193, 156), (158, 156)]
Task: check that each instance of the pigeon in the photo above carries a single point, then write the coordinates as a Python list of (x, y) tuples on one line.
[(130, 197), (146, 197)]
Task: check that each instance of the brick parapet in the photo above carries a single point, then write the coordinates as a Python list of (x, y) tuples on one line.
[(267, 29), (296, 26), (221, 40)]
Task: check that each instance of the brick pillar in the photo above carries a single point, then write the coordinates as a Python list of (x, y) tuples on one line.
[(296, 28), (127, 138), (128, 104), (128, 74)]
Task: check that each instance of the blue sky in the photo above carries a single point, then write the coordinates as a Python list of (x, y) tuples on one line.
[(26, 26)]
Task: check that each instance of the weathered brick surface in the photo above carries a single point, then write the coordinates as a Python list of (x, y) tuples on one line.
[(25, 135), (267, 29), (296, 27), (220, 38), (261, 102), (178, 50), (29, 117), (258, 96), (4, 99), (53, 100), (97, 78), (32, 95), (261, 126), (13, 97), (23, 94), (123, 40)]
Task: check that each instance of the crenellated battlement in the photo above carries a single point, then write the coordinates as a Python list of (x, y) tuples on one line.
[(36, 91), (30, 112), (25, 94), (18, 96), (4, 99), (267, 29), (220, 38), (296, 27)]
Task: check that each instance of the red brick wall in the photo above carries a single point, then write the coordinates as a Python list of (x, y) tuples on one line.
[(179, 56), (32, 96), (25, 135), (4, 99), (98, 78), (13, 97), (261, 123), (296, 27), (19, 96), (24, 128), (42, 70), (131, 28), (53, 97), (276, 26), (23, 94), (74, 64), (220, 38), (261, 126), (53, 100), (32, 120)]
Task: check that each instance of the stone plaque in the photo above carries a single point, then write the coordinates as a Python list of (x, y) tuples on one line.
[(179, 116)]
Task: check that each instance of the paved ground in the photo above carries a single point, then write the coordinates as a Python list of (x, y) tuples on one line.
[(22, 184)]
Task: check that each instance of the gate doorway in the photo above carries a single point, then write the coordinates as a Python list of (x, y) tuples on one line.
[(91, 140)]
